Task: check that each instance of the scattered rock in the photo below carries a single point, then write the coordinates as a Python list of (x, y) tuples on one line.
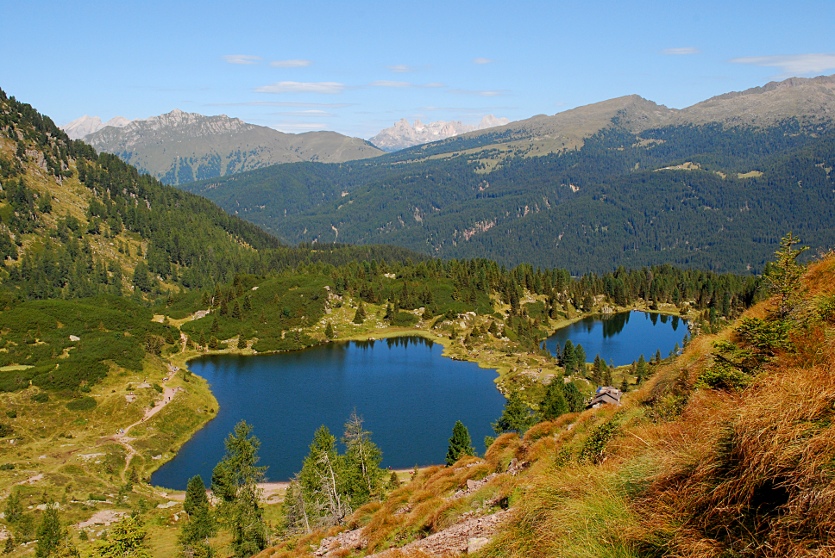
[(103, 517), (456, 539), (75, 338), (336, 546)]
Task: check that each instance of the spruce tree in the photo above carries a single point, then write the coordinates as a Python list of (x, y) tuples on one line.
[(553, 404), (783, 276), (516, 416), (359, 316), (573, 398), (235, 483), (195, 495), (362, 476), (49, 533), (329, 333), (321, 483), (460, 443), (14, 509), (580, 358), (641, 369)]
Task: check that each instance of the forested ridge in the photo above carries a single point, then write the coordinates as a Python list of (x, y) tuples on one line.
[(87, 227), (708, 196), (111, 281)]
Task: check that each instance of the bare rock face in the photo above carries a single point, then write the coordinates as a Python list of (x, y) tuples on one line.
[(86, 125), (179, 147), (402, 134)]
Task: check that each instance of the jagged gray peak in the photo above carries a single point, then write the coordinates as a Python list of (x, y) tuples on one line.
[(86, 125), (179, 147), (402, 134)]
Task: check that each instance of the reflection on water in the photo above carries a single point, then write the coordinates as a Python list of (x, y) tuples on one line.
[(409, 395), (622, 338)]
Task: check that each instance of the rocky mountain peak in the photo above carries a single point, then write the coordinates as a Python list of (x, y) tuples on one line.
[(86, 125), (402, 134)]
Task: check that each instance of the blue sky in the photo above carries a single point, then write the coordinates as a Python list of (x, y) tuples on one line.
[(357, 66)]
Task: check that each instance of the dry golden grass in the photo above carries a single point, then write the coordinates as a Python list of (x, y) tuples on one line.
[(686, 472)]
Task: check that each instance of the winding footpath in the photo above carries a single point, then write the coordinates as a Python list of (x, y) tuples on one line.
[(122, 438)]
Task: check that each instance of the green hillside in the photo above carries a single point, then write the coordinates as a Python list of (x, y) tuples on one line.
[(637, 185), (112, 282)]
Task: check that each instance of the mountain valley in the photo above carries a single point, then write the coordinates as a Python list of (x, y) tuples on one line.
[(484, 243)]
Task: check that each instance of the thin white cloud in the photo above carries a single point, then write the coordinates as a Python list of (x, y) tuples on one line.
[(434, 84), (794, 64), (482, 60), (326, 87), (243, 59), (680, 51), (310, 113), (387, 83), (294, 104), (295, 63), (400, 68)]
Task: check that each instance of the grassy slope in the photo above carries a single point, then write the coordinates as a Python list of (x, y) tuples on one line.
[(677, 470)]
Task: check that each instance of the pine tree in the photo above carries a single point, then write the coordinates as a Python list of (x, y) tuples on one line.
[(195, 495), (14, 509), (568, 358), (580, 358), (50, 534), (783, 276), (516, 416), (553, 403), (241, 341), (641, 369), (126, 538), (460, 443), (235, 482), (359, 316), (573, 398), (319, 481), (294, 509), (329, 333), (361, 475)]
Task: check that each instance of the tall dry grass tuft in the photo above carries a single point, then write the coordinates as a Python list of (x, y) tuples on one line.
[(765, 482)]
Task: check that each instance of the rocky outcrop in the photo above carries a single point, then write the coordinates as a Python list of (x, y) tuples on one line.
[(402, 134)]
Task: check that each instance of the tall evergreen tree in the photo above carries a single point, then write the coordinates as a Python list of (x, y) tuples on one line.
[(362, 475), (573, 398), (319, 480), (359, 316), (125, 540), (50, 534), (460, 443), (580, 358), (553, 403), (516, 416), (235, 482), (783, 276), (641, 369)]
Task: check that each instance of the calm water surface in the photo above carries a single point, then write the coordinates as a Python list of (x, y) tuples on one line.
[(409, 395), (622, 338)]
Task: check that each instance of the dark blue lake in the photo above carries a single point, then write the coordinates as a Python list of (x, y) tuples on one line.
[(409, 395), (622, 338)]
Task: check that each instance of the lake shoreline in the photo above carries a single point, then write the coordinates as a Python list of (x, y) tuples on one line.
[(505, 365)]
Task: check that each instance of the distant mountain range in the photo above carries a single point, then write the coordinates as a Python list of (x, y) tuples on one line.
[(180, 147), (622, 182), (403, 134), (86, 125)]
